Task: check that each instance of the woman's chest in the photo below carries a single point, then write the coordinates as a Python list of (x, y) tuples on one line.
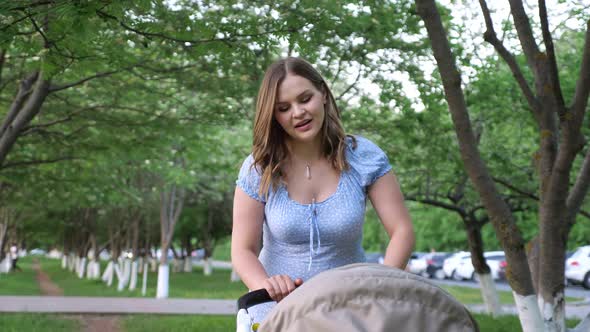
[(339, 218)]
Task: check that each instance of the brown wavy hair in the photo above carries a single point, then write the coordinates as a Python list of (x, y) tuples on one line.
[(269, 147)]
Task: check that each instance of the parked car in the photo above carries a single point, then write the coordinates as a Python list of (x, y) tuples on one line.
[(417, 263), (434, 262), (37, 252), (577, 267), (450, 263), (465, 270), (504, 265), (374, 257)]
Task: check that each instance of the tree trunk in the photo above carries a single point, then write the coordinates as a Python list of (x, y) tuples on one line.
[(481, 268), (500, 215), (171, 203), (26, 105)]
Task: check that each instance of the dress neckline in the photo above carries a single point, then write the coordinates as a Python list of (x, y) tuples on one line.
[(340, 178)]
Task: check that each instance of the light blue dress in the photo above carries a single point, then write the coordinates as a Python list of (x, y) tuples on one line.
[(302, 240)]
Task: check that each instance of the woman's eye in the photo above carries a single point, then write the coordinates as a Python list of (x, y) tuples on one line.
[(283, 109), (305, 99)]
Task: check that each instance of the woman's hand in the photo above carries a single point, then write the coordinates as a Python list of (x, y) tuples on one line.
[(279, 286)]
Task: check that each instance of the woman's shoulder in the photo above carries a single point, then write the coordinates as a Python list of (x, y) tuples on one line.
[(367, 160), (249, 178)]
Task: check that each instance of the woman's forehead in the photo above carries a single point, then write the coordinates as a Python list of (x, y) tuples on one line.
[(293, 86)]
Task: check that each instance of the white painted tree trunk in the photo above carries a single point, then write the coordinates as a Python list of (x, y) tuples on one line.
[(124, 275), (207, 267), (6, 264), (145, 275), (188, 264), (553, 313), (163, 274), (133, 280), (490, 294), (140, 262), (528, 312), (81, 267), (234, 276), (64, 262), (107, 271), (93, 270)]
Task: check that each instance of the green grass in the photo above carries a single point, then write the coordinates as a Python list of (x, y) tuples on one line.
[(468, 295), (178, 323), (182, 285), (20, 282), (182, 323), (36, 323), (507, 323)]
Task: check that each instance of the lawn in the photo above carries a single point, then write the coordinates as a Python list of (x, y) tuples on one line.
[(182, 285), (182, 323), (20, 282), (37, 323)]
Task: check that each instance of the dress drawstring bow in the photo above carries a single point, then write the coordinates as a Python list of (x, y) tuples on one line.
[(313, 225)]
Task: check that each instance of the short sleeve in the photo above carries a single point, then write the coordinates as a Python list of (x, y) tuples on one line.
[(249, 179), (367, 161)]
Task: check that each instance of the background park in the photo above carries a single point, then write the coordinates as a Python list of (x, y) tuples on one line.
[(123, 126)]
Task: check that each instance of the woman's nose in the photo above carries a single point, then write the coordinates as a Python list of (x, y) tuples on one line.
[(298, 111)]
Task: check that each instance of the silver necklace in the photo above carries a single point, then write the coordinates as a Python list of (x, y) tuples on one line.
[(308, 172)]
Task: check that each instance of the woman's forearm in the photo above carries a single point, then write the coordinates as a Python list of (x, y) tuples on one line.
[(249, 268), (399, 248)]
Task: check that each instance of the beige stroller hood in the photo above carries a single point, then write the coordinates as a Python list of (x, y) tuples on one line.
[(368, 298)]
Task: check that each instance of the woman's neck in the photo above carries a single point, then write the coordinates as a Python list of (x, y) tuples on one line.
[(308, 153)]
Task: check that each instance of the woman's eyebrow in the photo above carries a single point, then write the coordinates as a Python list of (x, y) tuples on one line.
[(298, 96)]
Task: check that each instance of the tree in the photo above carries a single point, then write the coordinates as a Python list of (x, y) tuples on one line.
[(561, 141)]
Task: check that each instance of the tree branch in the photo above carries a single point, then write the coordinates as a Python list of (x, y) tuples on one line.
[(28, 111), (36, 162), (515, 189), (190, 41), (583, 84), (69, 85), (579, 191), (23, 92), (550, 50), (525, 33), (491, 37), (436, 203)]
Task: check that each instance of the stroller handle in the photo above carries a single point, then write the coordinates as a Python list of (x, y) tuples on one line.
[(253, 298)]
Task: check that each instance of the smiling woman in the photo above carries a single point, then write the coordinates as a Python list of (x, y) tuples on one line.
[(303, 189)]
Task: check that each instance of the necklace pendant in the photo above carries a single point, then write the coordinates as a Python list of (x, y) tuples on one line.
[(308, 172)]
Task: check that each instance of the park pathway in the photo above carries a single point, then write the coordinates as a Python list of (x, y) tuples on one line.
[(88, 322)]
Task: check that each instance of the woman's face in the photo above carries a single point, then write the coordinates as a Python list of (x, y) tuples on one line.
[(300, 108)]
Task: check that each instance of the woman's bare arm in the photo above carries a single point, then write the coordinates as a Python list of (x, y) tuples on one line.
[(388, 201)]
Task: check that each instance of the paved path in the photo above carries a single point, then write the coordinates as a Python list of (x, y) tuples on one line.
[(130, 305), (115, 305)]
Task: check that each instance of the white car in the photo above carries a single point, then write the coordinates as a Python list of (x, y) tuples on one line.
[(417, 263), (450, 264), (577, 267), (465, 269)]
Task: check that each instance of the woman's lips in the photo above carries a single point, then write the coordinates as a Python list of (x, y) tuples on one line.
[(304, 126)]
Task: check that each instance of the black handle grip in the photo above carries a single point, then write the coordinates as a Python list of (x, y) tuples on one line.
[(253, 298)]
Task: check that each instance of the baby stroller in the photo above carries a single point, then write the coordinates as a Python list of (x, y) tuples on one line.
[(360, 298)]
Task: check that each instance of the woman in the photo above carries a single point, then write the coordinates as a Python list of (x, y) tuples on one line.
[(299, 203)]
